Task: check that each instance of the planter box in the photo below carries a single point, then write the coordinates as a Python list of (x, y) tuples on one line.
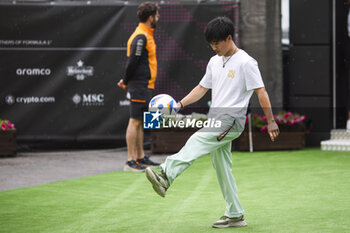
[(169, 140), (8, 142), (172, 140), (290, 138)]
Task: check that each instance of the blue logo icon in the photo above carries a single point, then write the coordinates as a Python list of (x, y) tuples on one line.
[(151, 120)]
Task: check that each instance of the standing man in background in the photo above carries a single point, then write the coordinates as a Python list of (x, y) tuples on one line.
[(139, 80)]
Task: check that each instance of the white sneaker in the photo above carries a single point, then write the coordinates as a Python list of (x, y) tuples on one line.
[(159, 181), (225, 222), (348, 125)]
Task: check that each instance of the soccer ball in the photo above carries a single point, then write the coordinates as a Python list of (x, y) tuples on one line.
[(163, 103)]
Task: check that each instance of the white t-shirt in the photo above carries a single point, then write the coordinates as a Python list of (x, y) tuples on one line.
[(232, 85)]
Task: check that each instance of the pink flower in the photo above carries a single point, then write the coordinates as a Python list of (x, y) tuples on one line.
[(12, 126), (292, 122), (288, 114), (264, 118), (3, 126), (302, 118), (264, 129), (279, 118), (296, 119)]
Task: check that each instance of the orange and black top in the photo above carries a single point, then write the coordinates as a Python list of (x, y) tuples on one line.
[(141, 68)]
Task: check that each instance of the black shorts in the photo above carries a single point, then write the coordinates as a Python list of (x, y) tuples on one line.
[(139, 99)]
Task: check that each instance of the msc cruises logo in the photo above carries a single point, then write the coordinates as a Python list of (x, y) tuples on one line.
[(80, 72), (89, 99)]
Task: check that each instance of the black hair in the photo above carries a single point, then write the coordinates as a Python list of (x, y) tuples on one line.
[(147, 9), (219, 29)]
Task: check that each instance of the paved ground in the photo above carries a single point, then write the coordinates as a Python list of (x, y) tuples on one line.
[(34, 168)]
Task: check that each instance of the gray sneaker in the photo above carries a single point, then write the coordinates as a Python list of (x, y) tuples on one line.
[(225, 222), (159, 181)]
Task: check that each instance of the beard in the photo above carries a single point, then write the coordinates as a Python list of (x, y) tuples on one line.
[(153, 24)]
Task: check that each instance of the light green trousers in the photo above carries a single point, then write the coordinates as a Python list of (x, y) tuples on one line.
[(201, 143)]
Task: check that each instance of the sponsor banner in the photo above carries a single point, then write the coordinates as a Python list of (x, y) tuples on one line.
[(60, 79), (67, 95)]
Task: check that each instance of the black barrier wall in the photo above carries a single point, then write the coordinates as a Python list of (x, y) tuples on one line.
[(310, 65), (60, 63)]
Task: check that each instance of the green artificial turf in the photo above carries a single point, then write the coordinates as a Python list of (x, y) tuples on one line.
[(284, 191)]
